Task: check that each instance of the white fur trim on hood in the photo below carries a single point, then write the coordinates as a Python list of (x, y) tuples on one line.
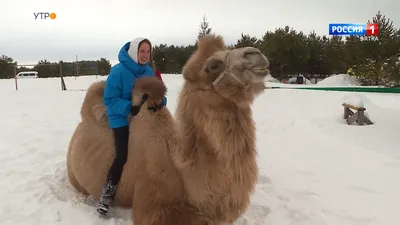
[(133, 48)]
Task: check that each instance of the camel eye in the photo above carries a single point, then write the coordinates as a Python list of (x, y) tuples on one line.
[(251, 52), (215, 66)]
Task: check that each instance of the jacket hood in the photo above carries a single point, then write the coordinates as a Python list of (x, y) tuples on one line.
[(134, 46), (131, 62)]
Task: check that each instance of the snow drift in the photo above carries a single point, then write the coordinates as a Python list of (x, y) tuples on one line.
[(339, 80)]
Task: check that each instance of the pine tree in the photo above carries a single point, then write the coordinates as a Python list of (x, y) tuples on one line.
[(246, 40), (378, 52), (204, 28)]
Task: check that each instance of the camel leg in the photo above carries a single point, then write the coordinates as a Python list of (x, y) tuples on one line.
[(147, 210), (75, 184), (173, 214), (155, 208), (71, 176), (73, 181)]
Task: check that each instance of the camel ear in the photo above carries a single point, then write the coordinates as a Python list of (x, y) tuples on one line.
[(214, 66)]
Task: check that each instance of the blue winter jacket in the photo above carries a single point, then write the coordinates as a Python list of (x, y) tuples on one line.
[(119, 85)]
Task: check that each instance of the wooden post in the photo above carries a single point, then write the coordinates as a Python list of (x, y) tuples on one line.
[(77, 67), (15, 77), (345, 113), (360, 119), (63, 86)]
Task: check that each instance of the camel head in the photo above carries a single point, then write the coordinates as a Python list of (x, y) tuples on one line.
[(148, 91), (235, 74)]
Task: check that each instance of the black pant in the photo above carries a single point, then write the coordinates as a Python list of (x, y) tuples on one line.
[(121, 136)]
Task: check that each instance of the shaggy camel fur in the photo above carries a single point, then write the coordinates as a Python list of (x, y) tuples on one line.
[(200, 172), (218, 159), (149, 184)]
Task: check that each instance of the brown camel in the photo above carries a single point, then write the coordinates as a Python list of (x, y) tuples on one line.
[(150, 183), (201, 173), (218, 159)]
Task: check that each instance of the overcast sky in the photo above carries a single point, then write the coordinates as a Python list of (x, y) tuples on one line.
[(98, 28)]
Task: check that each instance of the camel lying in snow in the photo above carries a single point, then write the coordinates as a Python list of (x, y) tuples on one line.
[(149, 184), (199, 171)]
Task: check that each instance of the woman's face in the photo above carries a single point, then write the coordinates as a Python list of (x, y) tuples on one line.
[(144, 53)]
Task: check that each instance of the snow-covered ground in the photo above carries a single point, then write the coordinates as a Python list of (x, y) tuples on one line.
[(314, 168)]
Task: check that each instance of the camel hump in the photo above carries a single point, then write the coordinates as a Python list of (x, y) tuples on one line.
[(152, 86), (93, 106), (97, 88)]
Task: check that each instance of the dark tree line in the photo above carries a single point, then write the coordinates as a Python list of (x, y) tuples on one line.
[(53, 69), (373, 60)]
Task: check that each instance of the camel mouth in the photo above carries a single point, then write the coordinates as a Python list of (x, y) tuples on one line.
[(261, 71)]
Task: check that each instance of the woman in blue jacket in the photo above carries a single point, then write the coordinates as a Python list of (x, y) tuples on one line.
[(134, 62)]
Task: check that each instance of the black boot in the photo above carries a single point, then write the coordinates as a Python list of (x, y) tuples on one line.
[(106, 198)]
